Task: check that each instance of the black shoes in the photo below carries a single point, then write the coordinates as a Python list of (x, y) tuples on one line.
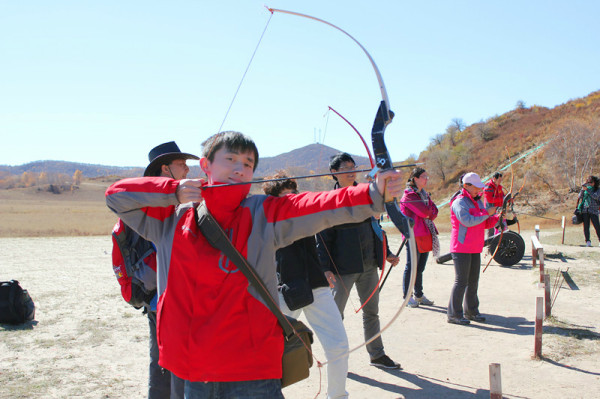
[(385, 362), (476, 317), (458, 320)]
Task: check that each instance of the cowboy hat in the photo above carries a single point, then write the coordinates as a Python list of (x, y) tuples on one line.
[(164, 154)]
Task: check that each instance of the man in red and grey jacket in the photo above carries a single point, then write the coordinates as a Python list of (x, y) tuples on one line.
[(214, 331)]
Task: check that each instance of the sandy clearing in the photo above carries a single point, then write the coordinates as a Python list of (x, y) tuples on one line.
[(87, 342)]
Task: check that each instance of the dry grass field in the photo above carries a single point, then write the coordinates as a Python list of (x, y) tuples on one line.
[(36, 212)]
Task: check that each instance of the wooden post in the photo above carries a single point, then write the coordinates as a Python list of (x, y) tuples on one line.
[(563, 225), (537, 231), (539, 315), (495, 381), (548, 306), (540, 252), (533, 251)]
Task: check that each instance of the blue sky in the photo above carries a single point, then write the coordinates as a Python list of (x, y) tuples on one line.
[(105, 81)]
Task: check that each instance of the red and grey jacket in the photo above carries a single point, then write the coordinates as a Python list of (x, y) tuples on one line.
[(493, 195), (211, 325)]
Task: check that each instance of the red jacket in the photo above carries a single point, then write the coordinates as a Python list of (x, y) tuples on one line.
[(493, 195), (211, 325)]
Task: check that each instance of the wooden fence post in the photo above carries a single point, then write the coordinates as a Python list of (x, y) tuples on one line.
[(539, 315), (541, 255), (548, 306), (563, 225), (533, 252), (495, 381), (537, 231), (537, 251)]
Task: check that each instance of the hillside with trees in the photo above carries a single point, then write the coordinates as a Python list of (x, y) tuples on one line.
[(560, 147)]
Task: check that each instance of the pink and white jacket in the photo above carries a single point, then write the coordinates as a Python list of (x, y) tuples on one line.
[(469, 220)]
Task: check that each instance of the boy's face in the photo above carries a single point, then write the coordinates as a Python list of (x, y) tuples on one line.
[(229, 166)]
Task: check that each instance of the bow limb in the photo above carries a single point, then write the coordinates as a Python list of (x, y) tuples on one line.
[(383, 161), (359, 135)]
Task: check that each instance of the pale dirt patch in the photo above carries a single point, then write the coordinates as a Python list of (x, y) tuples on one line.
[(87, 342)]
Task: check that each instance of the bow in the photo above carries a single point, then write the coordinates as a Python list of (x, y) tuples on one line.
[(383, 162)]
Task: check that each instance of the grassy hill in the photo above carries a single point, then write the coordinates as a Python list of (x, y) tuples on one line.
[(560, 147)]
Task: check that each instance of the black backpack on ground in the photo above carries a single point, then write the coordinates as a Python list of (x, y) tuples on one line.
[(16, 306)]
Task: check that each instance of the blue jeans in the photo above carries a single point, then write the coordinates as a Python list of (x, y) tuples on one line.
[(258, 389), (421, 262)]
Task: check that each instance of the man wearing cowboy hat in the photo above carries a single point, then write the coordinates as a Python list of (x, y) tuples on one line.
[(166, 160)]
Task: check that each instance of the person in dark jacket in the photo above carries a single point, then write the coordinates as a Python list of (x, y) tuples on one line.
[(354, 253), (588, 204), (298, 271)]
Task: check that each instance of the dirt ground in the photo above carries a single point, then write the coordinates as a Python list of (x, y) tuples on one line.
[(87, 342)]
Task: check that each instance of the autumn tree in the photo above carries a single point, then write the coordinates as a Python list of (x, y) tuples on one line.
[(574, 151), (77, 177), (440, 161), (28, 179), (459, 124), (451, 132), (437, 140)]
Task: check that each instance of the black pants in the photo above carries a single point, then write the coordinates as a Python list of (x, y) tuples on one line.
[(466, 283), (587, 217)]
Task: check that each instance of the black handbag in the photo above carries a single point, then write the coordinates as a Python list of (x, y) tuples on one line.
[(577, 218), (297, 293), (297, 354)]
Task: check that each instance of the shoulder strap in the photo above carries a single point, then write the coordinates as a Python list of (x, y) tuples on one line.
[(217, 238)]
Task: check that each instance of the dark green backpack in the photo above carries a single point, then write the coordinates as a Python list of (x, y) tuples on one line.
[(16, 306)]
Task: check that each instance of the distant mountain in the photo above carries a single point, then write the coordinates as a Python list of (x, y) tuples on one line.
[(313, 157), (69, 168)]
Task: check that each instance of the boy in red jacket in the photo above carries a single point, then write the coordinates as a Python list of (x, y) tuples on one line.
[(214, 331)]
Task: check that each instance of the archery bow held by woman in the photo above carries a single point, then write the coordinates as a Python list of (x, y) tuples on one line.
[(469, 219), (418, 205)]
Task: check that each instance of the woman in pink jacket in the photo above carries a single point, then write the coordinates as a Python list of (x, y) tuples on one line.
[(469, 219), (417, 204)]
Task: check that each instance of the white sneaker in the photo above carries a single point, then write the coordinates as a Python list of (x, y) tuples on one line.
[(412, 303), (588, 243), (424, 301)]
